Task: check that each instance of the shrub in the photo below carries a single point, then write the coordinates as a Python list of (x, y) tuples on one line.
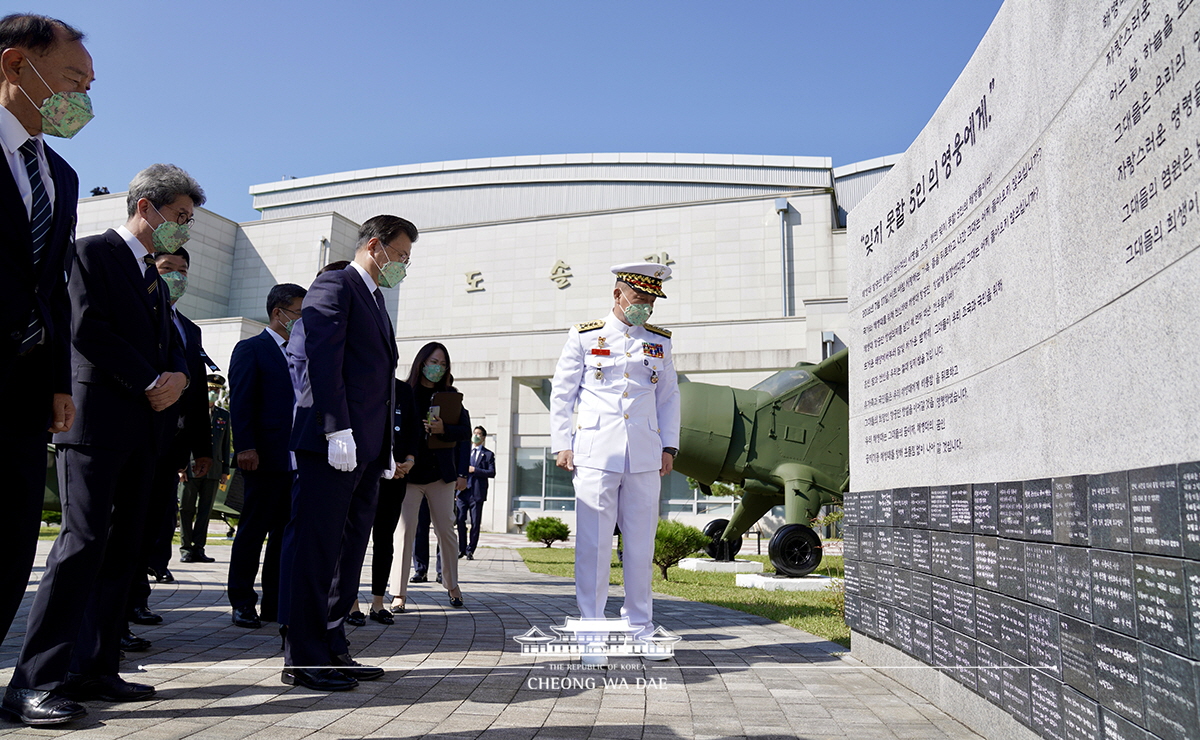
[(674, 541), (547, 529)]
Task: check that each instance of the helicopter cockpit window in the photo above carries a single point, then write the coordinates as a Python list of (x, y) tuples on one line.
[(783, 381), (812, 400)]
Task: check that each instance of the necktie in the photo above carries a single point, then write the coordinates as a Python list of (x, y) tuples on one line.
[(39, 230), (151, 279), (382, 306)]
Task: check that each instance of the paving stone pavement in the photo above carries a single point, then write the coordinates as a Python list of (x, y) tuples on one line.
[(457, 674)]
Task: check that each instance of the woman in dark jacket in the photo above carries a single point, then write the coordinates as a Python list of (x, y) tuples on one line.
[(432, 477)]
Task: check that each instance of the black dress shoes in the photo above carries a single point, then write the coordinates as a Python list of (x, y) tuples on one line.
[(143, 615), (383, 616), (350, 668), (40, 707), (456, 601), (188, 557), (419, 578), (104, 688), (131, 643), (203, 557), (318, 679), (356, 619), (245, 616), (470, 556), (163, 577)]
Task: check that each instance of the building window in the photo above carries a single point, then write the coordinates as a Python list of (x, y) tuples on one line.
[(678, 498), (539, 484)]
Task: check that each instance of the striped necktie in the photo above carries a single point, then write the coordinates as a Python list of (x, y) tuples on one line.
[(39, 229), (151, 279)]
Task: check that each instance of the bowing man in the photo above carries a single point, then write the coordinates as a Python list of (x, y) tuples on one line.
[(343, 442), (129, 368)]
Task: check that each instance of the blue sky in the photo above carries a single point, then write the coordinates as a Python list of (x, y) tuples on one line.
[(240, 93)]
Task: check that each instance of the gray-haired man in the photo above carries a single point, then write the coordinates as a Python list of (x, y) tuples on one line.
[(129, 367)]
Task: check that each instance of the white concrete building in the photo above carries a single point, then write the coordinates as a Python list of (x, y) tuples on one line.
[(514, 250)]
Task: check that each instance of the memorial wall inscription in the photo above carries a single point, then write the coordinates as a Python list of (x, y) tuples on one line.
[(1025, 334)]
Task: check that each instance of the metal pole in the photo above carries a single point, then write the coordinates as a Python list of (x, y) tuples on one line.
[(781, 207)]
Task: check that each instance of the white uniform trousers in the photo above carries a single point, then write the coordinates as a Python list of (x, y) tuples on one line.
[(629, 500)]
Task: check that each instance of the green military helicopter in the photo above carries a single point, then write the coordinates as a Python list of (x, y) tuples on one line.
[(785, 441)]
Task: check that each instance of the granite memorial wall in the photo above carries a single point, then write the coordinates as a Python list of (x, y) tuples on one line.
[(1025, 411)]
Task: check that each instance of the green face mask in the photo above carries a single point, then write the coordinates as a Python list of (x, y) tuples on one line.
[(169, 236), (213, 396), (63, 113), (638, 313), (391, 273), (289, 325), (477, 440), (176, 283), (434, 373)]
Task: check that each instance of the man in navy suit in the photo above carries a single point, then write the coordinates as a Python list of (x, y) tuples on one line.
[(343, 443), (260, 408), (470, 502), (129, 368), (34, 309)]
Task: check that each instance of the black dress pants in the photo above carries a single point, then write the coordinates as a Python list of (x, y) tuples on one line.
[(23, 458), (387, 516), (78, 614), (195, 510), (265, 515), (473, 511), (160, 527), (332, 515)]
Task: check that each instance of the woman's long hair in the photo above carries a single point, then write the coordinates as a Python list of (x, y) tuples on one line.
[(414, 374)]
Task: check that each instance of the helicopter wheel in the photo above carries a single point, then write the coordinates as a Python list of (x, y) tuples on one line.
[(719, 549), (795, 550)]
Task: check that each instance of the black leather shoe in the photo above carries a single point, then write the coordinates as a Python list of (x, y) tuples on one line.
[(439, 578), (131, 643), (143, 615), (104, 688), (245, 616), (350, 668), (420, 578), (188, 557), (461, 555), (40, 707), (456, 602), (383, 616), (470, 556), (356, 619), (318, 679), (202, 557), (164, 577)]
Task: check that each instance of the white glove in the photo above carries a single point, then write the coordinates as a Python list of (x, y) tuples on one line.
[(342, 450), (387, 474)]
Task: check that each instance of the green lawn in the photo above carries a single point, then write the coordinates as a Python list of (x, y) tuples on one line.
[(817, 612), (50, 533)]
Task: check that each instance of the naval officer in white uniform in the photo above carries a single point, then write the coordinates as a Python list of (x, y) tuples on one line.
[(620, 371)]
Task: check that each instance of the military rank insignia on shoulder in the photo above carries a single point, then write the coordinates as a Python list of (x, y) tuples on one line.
[(657, 330), (590, 326)]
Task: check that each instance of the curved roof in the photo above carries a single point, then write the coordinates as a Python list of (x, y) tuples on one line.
[(498, 189)]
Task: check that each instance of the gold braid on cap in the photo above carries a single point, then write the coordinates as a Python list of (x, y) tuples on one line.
[(644, 283)]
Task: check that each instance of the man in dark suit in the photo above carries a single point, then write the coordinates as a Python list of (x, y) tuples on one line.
[(343, 443), (129, 368), (470, 502), (187, 438), (35, 252), (260, 408), (195, 505)]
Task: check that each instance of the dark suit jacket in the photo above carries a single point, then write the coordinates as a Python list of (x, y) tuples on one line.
[(46, 287), (351, 349), (122, 339), (406, 425), (261, 401), (189, 433), (477, 482)]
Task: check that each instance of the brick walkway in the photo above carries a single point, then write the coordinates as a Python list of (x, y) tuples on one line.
[(458, 674)]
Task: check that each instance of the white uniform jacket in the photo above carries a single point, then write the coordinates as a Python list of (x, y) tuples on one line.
[(623, 378)]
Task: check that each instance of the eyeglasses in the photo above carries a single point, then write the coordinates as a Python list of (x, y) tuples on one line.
[(183, 219)]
